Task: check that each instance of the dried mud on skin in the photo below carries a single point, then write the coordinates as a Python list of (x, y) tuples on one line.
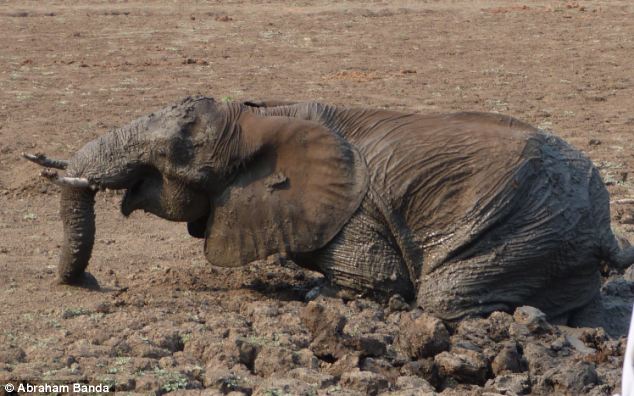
[(164, 321)]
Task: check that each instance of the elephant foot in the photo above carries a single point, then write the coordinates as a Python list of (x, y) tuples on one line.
[(86, 280)]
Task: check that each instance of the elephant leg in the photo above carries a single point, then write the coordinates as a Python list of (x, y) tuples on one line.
[(590, 315), (362, 257)]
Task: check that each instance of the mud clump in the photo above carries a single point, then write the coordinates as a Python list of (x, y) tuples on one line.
[(260, 344), (422, 335)]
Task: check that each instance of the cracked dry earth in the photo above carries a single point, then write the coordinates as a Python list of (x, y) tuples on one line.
[(166, 322)]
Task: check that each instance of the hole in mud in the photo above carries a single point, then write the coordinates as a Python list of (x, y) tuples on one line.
[(327, 358)]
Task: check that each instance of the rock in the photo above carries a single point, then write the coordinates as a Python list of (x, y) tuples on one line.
[(312, 376), (84, 349), (519, 331), (346, 363), (147, 383), (601, 390), (498, 325), (274, 360), (326, 325), (424, 368), (421, 335), (509, 359), (510, 384), (415, 383), (380, 366), (319, 318), (312, 293), (247, 351), (532, 318), (539, 358), (11, 354), (576, 378), (103, 307), (364, 381), (284, 386), (559, 344), (463, 365), (306, 358), (226, 380), (124, 383), (397, 303), (578, 345), (368, 346)]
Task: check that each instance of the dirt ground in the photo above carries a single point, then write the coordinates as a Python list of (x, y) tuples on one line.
[(164, 319)]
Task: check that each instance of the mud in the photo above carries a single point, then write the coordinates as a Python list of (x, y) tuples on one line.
[(164, 321)]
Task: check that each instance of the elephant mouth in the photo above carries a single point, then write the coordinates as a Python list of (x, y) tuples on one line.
[(198, 227), (132, 199)]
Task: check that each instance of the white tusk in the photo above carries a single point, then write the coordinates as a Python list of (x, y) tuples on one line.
[(623, 201), (43, 160), (64, 181)]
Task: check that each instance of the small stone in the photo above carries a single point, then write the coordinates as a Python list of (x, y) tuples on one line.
[(305, 358), (283, 386), (226, 380), (573, 379), (69, 360), (318, 318), (380, 366), (463, 365), (326, 325), (509, 359), (510, 384), (594, 142), (102, 307), (559, 343), (124, 383), (312, 294), (147, 383), (517, 330), (397, 303), (369, 346), (414, 382), (247, 351), (539, 358), (11, 355), (364, 381), (424, 368), (344, 364), (579, 346), (532, 318), (421, 336), (275, 360), (312, 376)]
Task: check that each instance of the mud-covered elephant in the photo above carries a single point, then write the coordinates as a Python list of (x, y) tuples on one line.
[(467, 213)]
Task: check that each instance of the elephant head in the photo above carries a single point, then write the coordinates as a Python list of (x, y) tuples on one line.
[(251, 185)]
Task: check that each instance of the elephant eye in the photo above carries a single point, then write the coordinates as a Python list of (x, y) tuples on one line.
[(181, 151)]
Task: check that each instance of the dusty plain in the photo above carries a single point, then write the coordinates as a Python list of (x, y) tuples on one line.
[(164, 319)]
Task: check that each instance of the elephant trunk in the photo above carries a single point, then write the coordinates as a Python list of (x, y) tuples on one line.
[(77, 210), (107, 162)]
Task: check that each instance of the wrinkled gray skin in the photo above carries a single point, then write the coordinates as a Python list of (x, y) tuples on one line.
[(468, 213)]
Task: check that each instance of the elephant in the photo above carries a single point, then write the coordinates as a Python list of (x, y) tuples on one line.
[(463, 213)]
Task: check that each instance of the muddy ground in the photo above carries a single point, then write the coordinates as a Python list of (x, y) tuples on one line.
[(166, 321)]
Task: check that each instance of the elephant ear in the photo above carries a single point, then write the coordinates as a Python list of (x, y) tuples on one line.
[(299, 184)]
